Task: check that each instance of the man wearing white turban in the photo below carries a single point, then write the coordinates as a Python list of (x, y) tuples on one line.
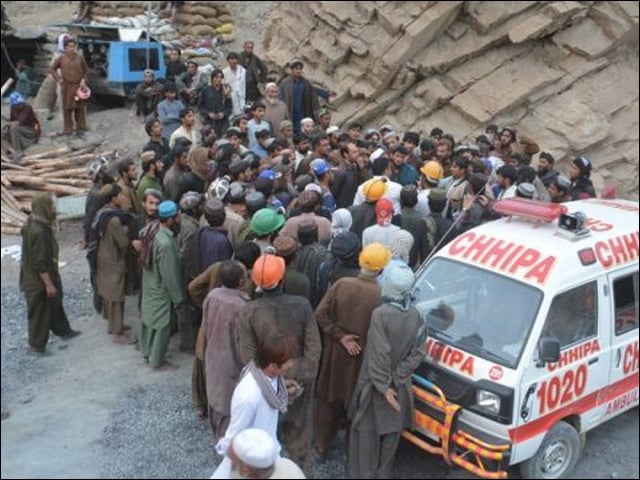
[(254, 454)]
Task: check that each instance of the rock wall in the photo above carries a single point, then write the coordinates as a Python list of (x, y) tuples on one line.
[(564, 72)]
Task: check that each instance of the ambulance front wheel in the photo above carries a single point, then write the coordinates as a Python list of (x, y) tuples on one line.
[(557, 455)]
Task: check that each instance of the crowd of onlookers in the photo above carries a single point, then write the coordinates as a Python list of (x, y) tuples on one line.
[(281, 248)]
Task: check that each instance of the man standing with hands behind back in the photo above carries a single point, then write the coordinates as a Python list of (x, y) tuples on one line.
[(73, 72)]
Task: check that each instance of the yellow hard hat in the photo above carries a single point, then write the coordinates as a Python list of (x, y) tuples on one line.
[(374, 257), (375, 189), (432, 170)]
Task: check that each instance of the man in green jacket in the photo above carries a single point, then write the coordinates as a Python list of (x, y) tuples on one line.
[(39, 277), (161, 284), (151, 174)]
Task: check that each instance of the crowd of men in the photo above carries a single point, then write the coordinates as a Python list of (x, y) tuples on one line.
[(281, 249)]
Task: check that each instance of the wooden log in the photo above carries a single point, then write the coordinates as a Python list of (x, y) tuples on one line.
[(80, 172), (88, 149), (5, 181), (13, 166), (10, 230), (63, 189), (10, 199), (11, 216), (45, 170), (9, 211), (5, 86), (50, 153), (73, 182), (26, 206), (64, 161), (22, 179), (19, 193)]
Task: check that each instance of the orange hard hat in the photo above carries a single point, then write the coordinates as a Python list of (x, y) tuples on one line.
[(268, 271), (83, 92)]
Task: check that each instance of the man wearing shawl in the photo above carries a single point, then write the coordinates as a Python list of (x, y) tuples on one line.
[(39, 277), (161, 284), (260, 396), (382, 402)]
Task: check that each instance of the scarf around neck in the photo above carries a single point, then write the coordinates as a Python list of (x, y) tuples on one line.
[(278, 400)]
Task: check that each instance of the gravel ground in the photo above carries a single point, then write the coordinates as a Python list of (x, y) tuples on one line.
[(19, 369), (152, 433)]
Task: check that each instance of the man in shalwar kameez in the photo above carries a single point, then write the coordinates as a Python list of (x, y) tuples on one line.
[(161, 283), (382, 403)]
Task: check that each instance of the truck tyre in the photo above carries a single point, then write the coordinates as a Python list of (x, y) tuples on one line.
[(557, 455)]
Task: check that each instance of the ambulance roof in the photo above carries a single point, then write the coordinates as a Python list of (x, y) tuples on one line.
[(540, 254)]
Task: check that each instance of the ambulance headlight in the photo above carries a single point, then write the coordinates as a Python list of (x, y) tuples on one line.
[(488, 400)]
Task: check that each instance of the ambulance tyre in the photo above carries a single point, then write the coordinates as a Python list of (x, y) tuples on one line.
[(557, 455)]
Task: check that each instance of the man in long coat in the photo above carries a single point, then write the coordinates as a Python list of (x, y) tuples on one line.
[(112, 225), (344, 324), (223, 362), (256, 72), (299, 95), (39, 277), (161, 284), (382, 403), (73, 72), (290, 315)]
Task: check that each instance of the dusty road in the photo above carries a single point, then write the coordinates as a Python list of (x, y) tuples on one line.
[(94, 409)]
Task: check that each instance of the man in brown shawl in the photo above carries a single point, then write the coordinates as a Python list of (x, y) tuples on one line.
[(73, 72), (344, 324), (382, 403), (112, 224), (39, 277)]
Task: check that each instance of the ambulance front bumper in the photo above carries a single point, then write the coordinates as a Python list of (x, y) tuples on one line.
[(438, 431)]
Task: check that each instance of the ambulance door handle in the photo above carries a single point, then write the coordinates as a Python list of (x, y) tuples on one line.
[(593, 360), (618, 357)]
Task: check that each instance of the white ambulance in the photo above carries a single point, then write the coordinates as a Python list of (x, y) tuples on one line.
[(533, 336)]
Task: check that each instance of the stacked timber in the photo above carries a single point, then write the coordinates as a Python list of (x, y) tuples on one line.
[(58, 170)]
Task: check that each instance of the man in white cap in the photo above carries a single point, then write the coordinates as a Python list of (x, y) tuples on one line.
[(254, 454), (382, 402)]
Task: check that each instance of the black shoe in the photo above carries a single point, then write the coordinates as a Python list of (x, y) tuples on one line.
[(71, 334)]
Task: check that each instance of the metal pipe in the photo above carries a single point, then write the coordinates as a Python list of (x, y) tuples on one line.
[(149, 3)]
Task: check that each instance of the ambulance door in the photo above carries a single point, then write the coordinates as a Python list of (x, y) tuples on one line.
[(553, 391), (622, 393)]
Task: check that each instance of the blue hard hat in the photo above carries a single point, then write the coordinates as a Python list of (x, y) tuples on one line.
[(320, 167), (270, 174)]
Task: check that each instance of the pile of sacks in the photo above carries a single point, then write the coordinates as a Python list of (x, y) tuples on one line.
[(199, 27)]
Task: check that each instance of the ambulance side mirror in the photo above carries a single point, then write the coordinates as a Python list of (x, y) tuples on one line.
[(548, 350)]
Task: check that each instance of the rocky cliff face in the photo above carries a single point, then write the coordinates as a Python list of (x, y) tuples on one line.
[(564, 72)]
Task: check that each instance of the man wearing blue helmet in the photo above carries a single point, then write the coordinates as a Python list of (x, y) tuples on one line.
[(23, 130)]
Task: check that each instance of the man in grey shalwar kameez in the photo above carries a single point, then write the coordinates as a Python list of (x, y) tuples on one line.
[(382, 403)]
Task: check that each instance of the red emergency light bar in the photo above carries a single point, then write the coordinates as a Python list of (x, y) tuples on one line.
[(530, 209)]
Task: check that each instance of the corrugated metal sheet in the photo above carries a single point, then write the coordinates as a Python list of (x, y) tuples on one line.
[(70, 207)]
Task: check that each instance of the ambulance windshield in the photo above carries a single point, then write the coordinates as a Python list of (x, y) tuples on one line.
[(480, 312)]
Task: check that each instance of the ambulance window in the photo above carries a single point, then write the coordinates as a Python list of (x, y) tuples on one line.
[(625, 293), (572, 316)]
